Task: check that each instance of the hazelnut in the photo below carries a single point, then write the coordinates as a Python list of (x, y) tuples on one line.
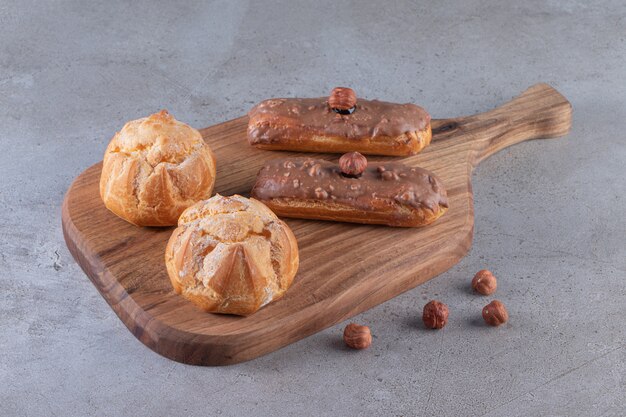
[(435, 315), (357, 336), (407, 196), (495, 313), (321, 193), (352, 164), (342, 99), (484, 282), (389, 176), (314, 170)]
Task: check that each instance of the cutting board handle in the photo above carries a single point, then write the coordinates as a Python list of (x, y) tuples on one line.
[(539, 112)]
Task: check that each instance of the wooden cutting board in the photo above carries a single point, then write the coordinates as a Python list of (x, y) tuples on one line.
[(344, 268)]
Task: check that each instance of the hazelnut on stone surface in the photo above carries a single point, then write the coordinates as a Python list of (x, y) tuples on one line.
[(495, 313), (435, 315), (357, 336), (352, 164), (342, 99), (484, 282)]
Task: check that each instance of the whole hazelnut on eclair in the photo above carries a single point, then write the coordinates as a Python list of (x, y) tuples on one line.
[(352, 164), (342, 100)]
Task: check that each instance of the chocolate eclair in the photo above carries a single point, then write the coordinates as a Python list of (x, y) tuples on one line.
[(339, 123), (387, 193)]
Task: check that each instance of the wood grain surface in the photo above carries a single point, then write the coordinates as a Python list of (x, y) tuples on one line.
[(344, 268)]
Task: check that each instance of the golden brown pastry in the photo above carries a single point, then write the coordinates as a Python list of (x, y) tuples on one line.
[(154, 168), (386, 193), (339, 124), (231, 255)]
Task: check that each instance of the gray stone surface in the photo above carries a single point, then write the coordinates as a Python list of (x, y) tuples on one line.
[(550, 215)]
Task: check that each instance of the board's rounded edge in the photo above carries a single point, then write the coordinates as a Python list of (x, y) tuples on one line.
[(170, 342)]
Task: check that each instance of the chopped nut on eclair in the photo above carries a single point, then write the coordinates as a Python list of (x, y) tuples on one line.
[(388, 193)]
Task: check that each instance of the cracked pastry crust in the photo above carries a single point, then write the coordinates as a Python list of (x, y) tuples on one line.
[(231, 255), (154, 168)]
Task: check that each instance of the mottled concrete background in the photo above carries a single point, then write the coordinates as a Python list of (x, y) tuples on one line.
[(550, 215)]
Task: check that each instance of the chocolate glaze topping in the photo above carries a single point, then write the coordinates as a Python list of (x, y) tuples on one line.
[(380, 184), (274, 119)]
